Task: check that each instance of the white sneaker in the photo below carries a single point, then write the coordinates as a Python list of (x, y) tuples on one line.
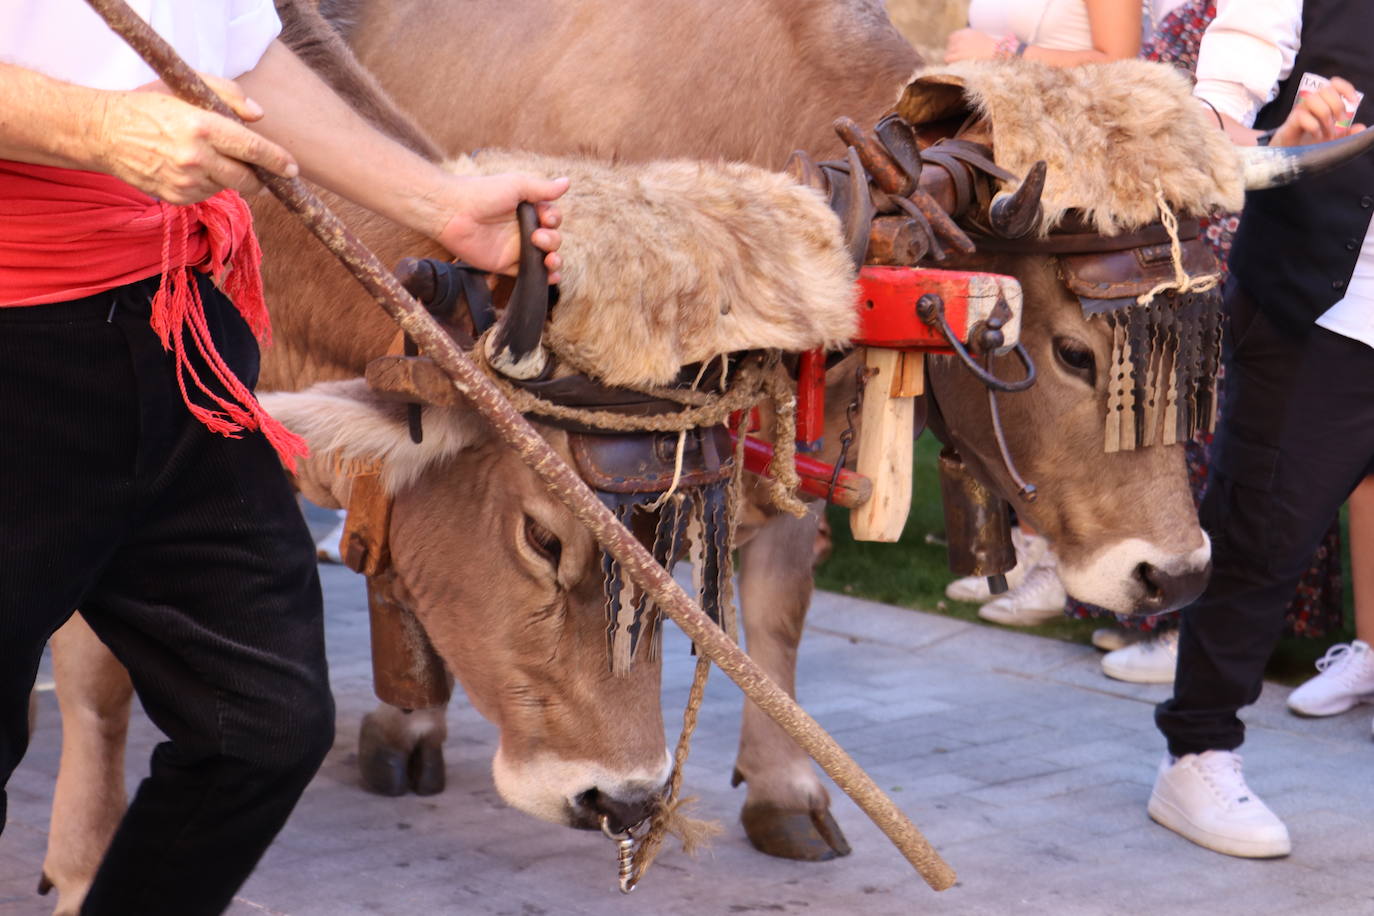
[(1039, 597), (1150, 661), (1204, 798), (327, 547), (1346, 679), (1030, 548), (1109, 639)]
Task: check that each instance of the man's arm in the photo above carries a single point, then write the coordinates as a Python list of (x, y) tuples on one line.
[(1246, 51), (338, 149), (161, 146)]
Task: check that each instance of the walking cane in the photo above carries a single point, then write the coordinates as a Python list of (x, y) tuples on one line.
[(561, 480)]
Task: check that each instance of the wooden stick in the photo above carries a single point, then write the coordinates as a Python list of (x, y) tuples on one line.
[(562, 481)]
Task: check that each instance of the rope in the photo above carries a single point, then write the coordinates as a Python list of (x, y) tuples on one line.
[(671, 816), (1181, 281), (755, 381)]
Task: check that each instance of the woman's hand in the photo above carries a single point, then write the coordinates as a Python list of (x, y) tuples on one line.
[(970, 44), (482, 229), (1314, 118), (178, 152)]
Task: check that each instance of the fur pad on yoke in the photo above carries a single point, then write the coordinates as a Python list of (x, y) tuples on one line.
[(677, 262), (1107, 131)]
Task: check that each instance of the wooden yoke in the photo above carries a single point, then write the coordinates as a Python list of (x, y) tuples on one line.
[(895, 341)]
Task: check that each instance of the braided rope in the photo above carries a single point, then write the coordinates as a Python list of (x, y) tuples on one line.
[(1181, 281), (671, 816), (755, 381)]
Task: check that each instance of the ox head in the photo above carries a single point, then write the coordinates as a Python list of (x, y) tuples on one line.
[(1127, 149), (508, 586)]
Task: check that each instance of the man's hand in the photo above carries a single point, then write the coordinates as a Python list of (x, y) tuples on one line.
[(1314, 118), (970, 44), (183, 154), (482, 229)]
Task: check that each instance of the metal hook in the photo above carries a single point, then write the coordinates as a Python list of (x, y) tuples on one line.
[(625, 854), (1027, 490), (930, 308)]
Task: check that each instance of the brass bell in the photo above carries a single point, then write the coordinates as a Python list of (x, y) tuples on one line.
[(977, 524)]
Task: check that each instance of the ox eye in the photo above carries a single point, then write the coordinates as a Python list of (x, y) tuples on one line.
[(1075, 356), (544, 541)]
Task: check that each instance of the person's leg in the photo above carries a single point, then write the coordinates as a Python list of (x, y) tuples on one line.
[(213, 604), (68, 436), (1296, 436), (1362, 558), (1346, 673)]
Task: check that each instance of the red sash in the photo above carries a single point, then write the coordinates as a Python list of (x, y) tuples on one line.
[(65, 234)]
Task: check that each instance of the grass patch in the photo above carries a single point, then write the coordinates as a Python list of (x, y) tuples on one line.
[(913, 573)]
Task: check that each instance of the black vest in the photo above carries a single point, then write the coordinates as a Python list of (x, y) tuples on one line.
[(1297, 246)]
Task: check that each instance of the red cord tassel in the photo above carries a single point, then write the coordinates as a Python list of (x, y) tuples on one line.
[(179, 314)]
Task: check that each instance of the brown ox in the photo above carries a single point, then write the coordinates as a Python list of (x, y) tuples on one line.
[(777, 74), (631, 80)]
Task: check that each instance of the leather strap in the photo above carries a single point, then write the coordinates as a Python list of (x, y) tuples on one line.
[(1086, 242)]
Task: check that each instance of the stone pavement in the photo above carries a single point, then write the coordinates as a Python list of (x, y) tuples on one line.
[(1025, 766)]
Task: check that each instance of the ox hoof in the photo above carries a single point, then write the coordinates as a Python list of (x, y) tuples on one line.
[(789, 833), (383, 767), (426, 769)]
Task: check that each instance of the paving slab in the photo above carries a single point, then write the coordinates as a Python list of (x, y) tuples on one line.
[(1024, 766)]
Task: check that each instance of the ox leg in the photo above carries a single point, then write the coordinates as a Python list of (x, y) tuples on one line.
[(94, 694), (401, 742), (787, 811), (400, 751)]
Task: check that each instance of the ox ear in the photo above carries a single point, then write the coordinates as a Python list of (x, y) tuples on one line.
[(349, 428), (933, 96)]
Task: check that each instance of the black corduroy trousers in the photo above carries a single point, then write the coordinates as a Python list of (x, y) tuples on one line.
[(1296, 437), (186, 553)]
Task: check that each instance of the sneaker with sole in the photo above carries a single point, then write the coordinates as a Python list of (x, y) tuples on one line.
[(1346, 679), (327, 547), (1039, 598), (1109, 639), (1030, 548), (1204, 798), (1150, 661)]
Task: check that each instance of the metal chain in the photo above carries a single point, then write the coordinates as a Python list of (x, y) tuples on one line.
[(861, 377)]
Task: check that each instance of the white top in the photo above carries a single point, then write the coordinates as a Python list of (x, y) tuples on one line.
[(1246, 52), (1058, 24), (65, 39)]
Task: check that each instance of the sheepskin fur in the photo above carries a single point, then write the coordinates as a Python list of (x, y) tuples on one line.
[(672, 263), (1107, 131), (347, 422)]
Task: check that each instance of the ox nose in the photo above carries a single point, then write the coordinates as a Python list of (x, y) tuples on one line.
[(621, 812), (1164, 591)]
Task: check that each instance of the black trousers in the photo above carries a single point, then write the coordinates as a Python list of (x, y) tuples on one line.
[(1296, 437), (186, 553)]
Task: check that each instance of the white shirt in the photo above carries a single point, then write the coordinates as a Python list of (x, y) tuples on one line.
[(1246, 52), (67, 40), (1059, 24), (1248, 49)]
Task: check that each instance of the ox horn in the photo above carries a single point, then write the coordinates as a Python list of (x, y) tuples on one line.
[(1016, 214), (515, 348), (1276, 166)]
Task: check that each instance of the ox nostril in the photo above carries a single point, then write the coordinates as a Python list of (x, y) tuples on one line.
[(1163, 591), (620, 813), (1149, 577)]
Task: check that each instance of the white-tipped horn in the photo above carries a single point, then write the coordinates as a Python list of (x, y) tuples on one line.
[(1276, 166), (515, 348)]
